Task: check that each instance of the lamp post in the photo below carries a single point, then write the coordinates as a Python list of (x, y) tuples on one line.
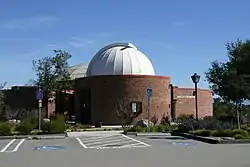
[(196, 78)]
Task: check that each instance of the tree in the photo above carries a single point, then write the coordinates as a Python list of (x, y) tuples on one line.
[(124, 113), (3, 106), (52, 74), (230, 79)]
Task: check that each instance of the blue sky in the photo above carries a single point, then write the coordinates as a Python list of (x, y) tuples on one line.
[(180, 37)]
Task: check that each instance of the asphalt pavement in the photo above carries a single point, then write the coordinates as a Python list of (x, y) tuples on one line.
[(114, 150)]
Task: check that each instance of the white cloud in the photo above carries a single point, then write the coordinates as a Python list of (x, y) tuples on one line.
[(29, 22)]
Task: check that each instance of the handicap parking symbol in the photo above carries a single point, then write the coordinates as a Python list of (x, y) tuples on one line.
[(39, 148), (183, 144)]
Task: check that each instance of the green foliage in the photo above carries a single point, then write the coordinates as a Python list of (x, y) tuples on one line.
[(205, 133), (3, 106), (24, 128), (238, 136), (240, 132), (222, 133), (58, 125), (52, 72), (191, 124), (5, 128), (155, 128), (230, 79)]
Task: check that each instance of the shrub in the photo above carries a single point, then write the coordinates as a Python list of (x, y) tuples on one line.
[(165, 119), (154, 120), (5, 129), (57, 125), (205, 133), (248, 130), (238, 136), (45, 127), (33, 122), (222, 133), (136, 129), (240, 132), (24, 128)]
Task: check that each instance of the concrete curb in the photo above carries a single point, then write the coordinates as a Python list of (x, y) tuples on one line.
[(153, 134), (194, 137), (211, 141), (34, 137), (146, 134)]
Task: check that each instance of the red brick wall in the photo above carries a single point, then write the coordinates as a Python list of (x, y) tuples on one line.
[(105, 90), (185, 102)]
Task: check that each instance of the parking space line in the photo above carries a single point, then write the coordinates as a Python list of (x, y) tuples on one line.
[(81, 143), (12, 146), (109, 141), (8, 145), (104, 141), (136, 140), (98, 138), (113, 143), (18, 145), (131, 145)]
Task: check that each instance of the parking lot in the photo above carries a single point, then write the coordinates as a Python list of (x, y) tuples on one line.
[(118, 150)]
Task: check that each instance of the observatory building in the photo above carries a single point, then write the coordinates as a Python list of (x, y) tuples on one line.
[(117, 78)]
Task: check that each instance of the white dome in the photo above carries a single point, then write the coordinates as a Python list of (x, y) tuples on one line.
[(120, 59)]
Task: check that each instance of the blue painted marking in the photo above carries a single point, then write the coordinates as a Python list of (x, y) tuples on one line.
[(39, 94), (39, 148), (183, 144)]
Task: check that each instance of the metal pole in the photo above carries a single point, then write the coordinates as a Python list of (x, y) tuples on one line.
[(39, 114), (196, 101), (148, 114), (39, 119)]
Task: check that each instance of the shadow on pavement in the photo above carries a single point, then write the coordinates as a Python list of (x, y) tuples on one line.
[(168, 137)]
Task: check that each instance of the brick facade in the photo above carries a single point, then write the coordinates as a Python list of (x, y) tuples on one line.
[(107, 90), (185, 102), (99, 94), (95, 98)]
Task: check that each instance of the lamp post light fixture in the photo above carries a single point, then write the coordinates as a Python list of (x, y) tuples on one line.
[(196, 78)]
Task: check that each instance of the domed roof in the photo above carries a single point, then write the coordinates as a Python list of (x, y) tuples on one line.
[(120, 59)]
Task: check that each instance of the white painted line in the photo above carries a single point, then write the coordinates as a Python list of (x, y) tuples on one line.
[(18, 145), (8, 145), (81, 143), (112, 143), (96, 138), (107, 141), (131, 145), (136, 140), (104, 141)]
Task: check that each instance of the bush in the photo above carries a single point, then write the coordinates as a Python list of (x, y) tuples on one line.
[(222, 133), (204, 133), (136, 129), (5, 129), (238, 136), (45, 127), (24, 128), (57, 125), (240, 132), (248, 130), (191, 124)]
